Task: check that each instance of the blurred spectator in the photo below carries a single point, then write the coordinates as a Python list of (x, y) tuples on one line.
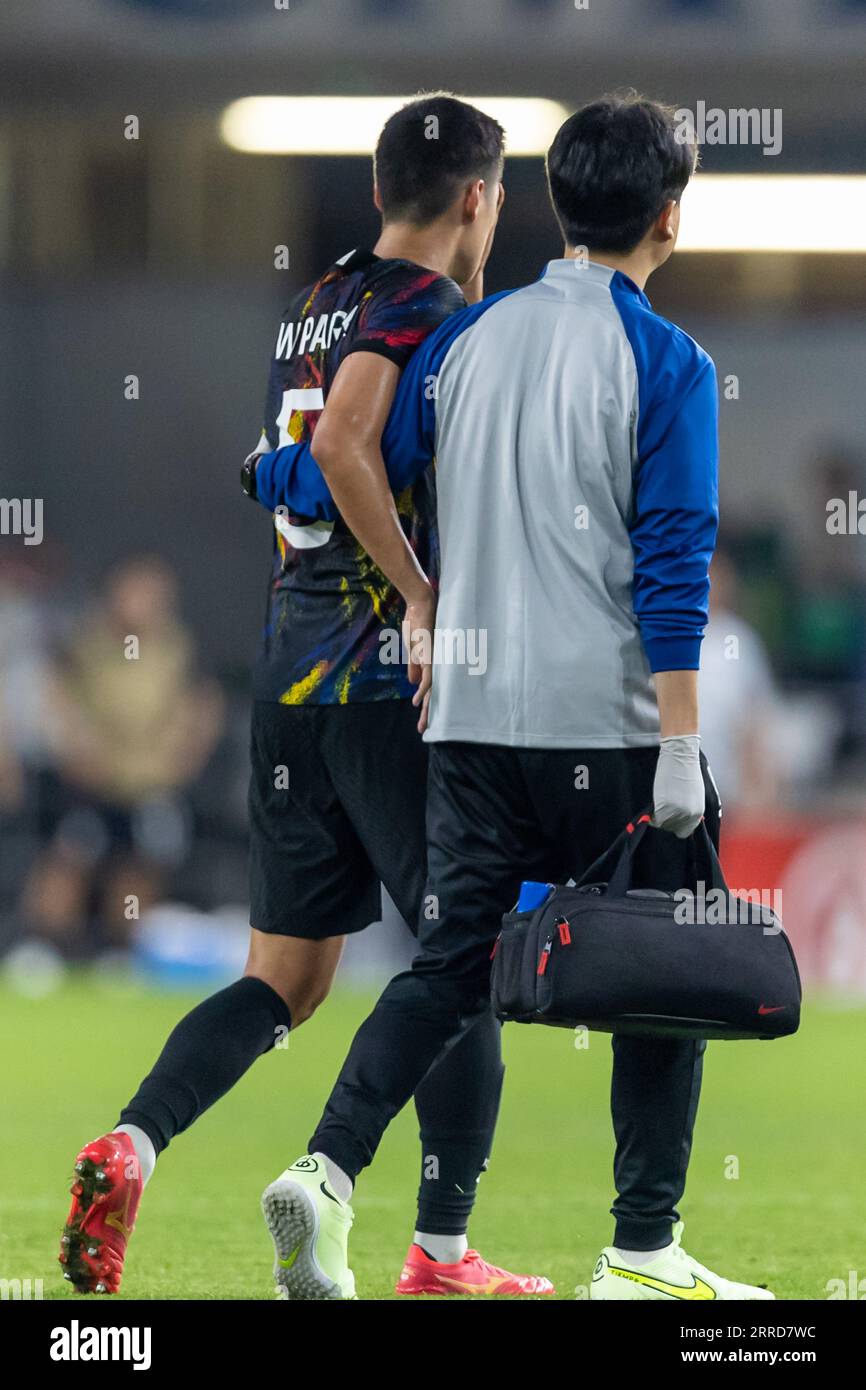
[(830, 627), (28, 617), (765, 564), (132, 725), (738, 701), (24, 672)]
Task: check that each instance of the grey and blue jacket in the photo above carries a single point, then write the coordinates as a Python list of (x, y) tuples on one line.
[(574, 433)]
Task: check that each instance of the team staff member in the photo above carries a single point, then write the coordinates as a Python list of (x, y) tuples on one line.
[(338, 769), (575, 434)]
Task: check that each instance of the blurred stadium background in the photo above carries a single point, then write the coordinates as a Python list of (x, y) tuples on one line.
[(153, 257)]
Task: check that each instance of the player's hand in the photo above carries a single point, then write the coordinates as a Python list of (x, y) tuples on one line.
[(418, 625), (678, 790), (424, 716)]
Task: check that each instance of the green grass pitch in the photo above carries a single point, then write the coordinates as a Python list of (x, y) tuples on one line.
[(788, 1116)]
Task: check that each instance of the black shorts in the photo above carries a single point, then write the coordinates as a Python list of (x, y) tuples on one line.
[(336, 804)]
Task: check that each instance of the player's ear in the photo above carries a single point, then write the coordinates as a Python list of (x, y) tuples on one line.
[(377, 198), (472, 200), (668, 221)]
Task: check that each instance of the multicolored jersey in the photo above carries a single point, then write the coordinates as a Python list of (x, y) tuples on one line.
[(332, 629)]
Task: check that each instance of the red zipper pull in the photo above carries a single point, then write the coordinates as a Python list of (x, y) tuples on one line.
[(564, 931), (544, 958)]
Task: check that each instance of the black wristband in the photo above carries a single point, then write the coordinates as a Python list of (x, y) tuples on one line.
[(248, 476)]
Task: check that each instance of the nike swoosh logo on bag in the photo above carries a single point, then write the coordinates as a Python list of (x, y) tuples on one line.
[(765, 1009)]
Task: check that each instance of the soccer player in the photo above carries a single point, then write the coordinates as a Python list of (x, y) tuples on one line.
[(575, 434), (338, 780)]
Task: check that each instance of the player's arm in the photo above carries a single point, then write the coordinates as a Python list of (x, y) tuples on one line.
[(673, 537), (291, 476), (347, 448)]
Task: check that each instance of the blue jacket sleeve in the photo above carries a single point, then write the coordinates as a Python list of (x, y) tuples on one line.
[(673, 532), (290, 476)]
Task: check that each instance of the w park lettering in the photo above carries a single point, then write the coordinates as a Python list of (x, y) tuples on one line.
[(313, 334)]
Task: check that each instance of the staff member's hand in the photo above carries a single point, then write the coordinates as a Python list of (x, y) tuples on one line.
[(418, 625), (678, 790)]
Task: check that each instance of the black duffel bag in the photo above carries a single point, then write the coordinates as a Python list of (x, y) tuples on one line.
[(640, 962)]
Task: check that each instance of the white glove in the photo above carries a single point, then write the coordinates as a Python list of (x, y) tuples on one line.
[(678, 789)]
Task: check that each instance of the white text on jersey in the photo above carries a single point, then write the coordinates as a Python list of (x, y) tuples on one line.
[(311, 333)]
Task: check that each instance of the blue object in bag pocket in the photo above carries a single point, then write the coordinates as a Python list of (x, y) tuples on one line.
[(532, 895)]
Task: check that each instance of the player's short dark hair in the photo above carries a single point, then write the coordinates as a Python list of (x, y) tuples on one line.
[(427, 150), (612, 167)]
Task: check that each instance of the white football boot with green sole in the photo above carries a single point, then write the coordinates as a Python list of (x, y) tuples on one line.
[(672, 1275), (309, 1226)]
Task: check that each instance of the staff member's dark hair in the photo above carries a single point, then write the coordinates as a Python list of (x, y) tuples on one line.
[(612, 167), (428, 150)]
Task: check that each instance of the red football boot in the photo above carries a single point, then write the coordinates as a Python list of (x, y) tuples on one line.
[(471, 1275), (105, 1197)]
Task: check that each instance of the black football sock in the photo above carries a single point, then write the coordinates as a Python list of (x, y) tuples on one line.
[(457, 1105), (209, 1050)]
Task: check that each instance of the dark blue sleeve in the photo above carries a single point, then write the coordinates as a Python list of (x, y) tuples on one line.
[(409, 436), (676, 489), (676, 517), (290, 477)]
